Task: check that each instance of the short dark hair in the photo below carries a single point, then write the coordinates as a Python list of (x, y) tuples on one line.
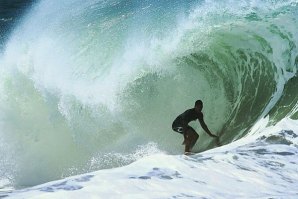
[(199, 102)]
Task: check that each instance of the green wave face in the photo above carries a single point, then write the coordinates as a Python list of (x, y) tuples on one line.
[(87, 85)]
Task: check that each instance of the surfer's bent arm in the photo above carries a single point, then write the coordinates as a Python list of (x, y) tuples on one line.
[(204, 126)]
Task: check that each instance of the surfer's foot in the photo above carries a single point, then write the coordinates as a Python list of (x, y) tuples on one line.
[(187, 153)]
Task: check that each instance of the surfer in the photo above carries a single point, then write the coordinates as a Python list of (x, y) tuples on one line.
[(180, 125)]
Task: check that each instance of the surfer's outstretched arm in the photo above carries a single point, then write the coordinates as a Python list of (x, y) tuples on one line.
[(204, 126)]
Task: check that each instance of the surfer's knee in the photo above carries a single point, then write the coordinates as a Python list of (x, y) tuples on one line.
[(193, 132)]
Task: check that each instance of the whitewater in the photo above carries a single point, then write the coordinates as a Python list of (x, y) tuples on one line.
[(89, 90)]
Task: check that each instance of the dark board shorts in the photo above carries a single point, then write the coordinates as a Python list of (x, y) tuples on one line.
[(178, 127)]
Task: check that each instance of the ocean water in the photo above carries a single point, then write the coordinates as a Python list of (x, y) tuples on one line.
[(96, 84)]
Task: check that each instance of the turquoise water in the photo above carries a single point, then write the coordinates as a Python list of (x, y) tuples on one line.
[(87, 85)]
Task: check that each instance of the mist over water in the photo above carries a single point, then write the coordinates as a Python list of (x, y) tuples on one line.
[(88, 85)]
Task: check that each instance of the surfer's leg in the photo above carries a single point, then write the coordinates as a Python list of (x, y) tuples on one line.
[(193, 137), (187, 145), (187, 139)]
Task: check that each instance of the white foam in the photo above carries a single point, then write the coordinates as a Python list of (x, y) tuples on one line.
[(251, 170)]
